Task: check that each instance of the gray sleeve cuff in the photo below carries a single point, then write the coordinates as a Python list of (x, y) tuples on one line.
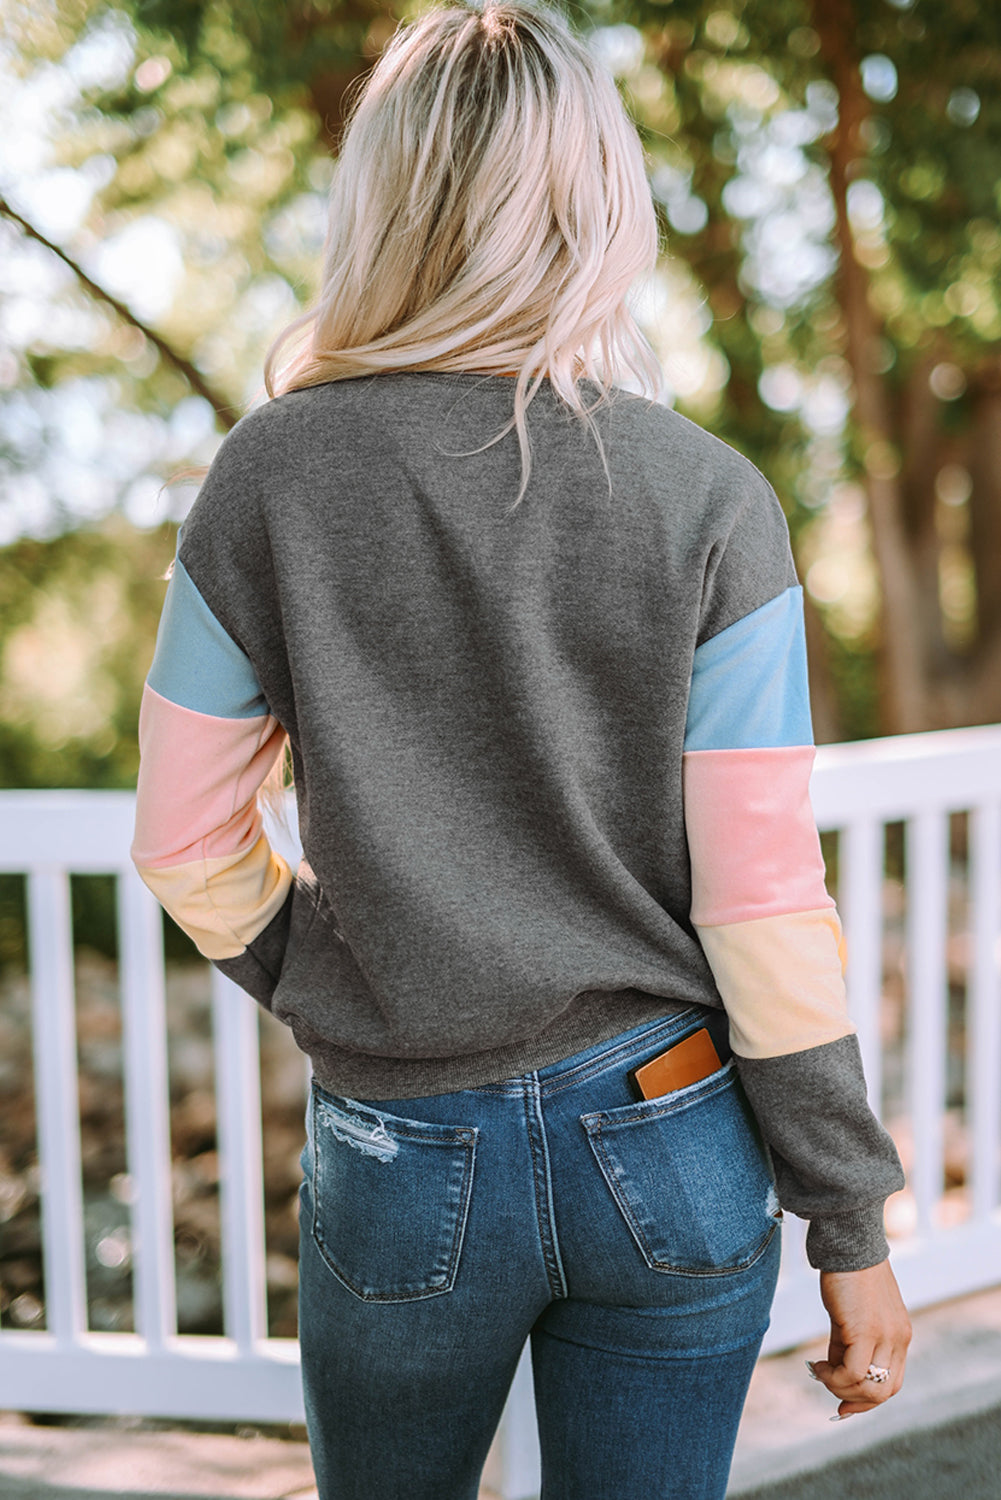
[(851, 1241)]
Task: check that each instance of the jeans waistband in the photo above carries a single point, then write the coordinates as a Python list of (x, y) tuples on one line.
[(614, 1052)]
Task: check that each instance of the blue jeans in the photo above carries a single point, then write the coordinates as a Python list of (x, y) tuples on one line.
[(635, 1244)]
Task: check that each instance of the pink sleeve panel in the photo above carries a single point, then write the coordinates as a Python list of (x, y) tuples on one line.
[(752, 835), (198, 782)]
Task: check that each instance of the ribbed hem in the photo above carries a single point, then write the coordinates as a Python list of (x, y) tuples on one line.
[(850, 1241), (593, 1016)]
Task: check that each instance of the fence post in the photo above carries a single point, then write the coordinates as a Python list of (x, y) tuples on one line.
[(983, 1016), (50, 928), (861, 902), (236, 1034), (927, 856), (147, 1109)]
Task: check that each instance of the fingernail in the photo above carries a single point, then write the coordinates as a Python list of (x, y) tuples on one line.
[(842, 1417), (812, 1371)]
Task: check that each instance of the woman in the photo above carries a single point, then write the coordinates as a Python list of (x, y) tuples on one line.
[(537, 647)]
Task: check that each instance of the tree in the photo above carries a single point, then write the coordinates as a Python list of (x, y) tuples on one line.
[(79, 617), (825, 173), (909, 139)]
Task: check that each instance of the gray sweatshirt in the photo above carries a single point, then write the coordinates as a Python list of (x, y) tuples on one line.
[(551, 762)]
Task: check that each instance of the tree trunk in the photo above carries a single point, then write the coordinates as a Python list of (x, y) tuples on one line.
[(985, 501), (824, 708), (921, 450), (904, 693)]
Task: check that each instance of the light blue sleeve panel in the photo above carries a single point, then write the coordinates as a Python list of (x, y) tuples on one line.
[(197, 665), (749, 683)]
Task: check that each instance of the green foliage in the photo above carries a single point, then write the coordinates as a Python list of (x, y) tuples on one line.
[(13, 924), (78, 618), (94, 916), (854, 670), (920, 145), (286, 45), (222, 125)]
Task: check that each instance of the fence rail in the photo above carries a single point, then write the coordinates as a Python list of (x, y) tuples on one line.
[(947, 880)]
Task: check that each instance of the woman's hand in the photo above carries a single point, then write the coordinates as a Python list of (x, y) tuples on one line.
[(869, 1326)]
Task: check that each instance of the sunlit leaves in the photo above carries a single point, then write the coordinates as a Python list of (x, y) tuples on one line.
[(879, 77)]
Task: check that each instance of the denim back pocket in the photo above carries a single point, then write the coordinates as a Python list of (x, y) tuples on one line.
[(390, 1198), (689, 1175)]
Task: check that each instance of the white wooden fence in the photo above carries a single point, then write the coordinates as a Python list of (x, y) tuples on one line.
[(919, 780)]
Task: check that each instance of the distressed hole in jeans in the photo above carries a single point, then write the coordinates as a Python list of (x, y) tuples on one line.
[(772, 1203), (368, 1136)]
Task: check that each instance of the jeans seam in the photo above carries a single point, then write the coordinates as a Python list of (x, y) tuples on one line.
[(543, 1187)]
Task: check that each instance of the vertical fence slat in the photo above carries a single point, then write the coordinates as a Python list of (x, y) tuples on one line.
[(983, 1016), (927, 988), (861, 902), (47, 834), (50, 938), (238, 1101), (147, 1109)]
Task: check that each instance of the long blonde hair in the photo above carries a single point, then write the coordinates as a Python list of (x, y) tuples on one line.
[(489, 211)]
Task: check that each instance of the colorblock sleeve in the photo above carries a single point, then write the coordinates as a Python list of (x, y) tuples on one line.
[(207, 741), (771, 931)]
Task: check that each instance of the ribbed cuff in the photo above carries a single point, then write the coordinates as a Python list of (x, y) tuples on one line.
[(850, 1241)]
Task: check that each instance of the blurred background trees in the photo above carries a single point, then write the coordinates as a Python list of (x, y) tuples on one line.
[(827, 173)]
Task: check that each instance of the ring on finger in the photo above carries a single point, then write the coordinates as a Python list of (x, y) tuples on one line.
[(878, 1374)]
